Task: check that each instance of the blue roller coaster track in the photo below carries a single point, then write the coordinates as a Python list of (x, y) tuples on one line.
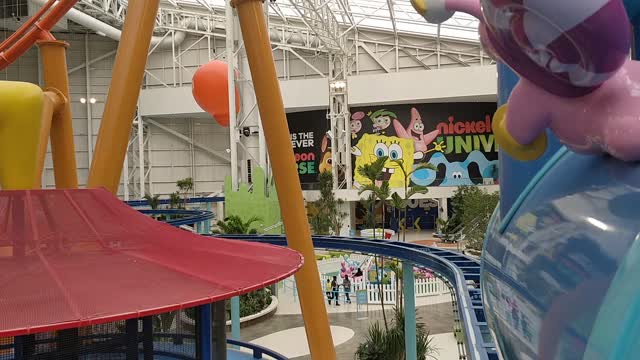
[(459, 270), (462, 272)]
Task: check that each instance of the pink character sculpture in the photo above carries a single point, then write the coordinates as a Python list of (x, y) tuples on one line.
[(576, 76)]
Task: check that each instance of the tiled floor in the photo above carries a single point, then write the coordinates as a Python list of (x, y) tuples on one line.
[(438, 319)]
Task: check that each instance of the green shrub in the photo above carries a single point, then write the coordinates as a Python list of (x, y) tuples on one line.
[(252, 303), (382, 344)]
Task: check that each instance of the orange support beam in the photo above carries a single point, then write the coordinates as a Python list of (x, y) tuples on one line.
[(276, 131), (54, 103), (128, 71), (54, 64)]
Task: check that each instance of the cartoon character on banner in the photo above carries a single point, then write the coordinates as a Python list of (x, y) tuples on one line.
[(356, 123), (381, 120), (371, 147), (326, 161), (415, 131), (576, 77), (472, 171)]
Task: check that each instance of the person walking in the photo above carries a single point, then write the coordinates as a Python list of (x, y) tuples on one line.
[(347, 289)]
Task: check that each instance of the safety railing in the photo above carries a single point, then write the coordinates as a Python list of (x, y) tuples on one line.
[(179, 217), (257, 351)]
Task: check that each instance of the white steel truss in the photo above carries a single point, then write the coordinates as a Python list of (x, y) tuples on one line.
[(342, 31)]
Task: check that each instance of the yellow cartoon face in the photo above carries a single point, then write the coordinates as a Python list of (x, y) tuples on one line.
[(371, 147)]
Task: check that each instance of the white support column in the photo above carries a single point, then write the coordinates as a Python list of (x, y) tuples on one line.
[(443, 210), (230, 53), (339, 120), (141, 167), (89, 107), (125, 177)]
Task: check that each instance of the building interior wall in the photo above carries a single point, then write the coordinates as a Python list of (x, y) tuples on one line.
[(171, 158)]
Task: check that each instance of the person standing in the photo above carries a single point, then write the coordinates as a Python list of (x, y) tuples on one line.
[(347, 289), (335, 289), (329, 290)]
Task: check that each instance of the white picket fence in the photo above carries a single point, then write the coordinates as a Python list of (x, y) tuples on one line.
[(423, 287)]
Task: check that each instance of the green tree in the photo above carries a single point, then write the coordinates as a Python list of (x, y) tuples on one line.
[(324, 214), (234, 224), (472, 209), (388, 344), (185, 186)]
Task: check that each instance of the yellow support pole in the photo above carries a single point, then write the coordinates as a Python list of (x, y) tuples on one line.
[(53, 103), (276, 131), (120, 108), (20, 110), (63, 153)]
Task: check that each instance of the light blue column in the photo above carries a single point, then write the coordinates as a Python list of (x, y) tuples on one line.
[(235, 318), (207, 223), (514, 174), (410, 343)]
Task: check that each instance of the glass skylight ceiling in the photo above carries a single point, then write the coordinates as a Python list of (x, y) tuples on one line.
[(373, 14)]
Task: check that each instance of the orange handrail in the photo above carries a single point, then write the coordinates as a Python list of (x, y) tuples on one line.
[(40, 31), (26, 26)]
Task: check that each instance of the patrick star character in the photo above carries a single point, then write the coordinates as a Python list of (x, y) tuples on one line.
[(576, 76), (415, 131), (356, 124)]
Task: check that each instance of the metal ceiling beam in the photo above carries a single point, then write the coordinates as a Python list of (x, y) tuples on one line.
[(414, 58), (185, 138), (322, 21), (375, 57), (393, 17), (205, 4)]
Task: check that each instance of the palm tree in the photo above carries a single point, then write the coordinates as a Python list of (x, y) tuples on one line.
[(174, 201), (373, 172), (185, 186), (403, 203), (152, 200), (234, 224)]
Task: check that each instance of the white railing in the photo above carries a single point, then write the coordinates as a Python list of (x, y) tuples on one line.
[(423, 288)]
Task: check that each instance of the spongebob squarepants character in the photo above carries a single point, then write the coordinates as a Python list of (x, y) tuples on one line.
[(371, 147)]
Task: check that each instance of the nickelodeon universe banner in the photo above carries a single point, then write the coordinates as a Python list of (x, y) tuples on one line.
[(311, 145), (456, 138)]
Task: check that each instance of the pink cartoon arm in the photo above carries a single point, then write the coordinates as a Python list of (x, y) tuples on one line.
[(428, 138), (400, 131), (527, 116)]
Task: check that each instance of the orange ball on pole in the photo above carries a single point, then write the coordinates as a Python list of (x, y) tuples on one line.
[(210, 89)]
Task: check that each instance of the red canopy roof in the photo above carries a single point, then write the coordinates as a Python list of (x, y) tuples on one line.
[(71, 258)]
